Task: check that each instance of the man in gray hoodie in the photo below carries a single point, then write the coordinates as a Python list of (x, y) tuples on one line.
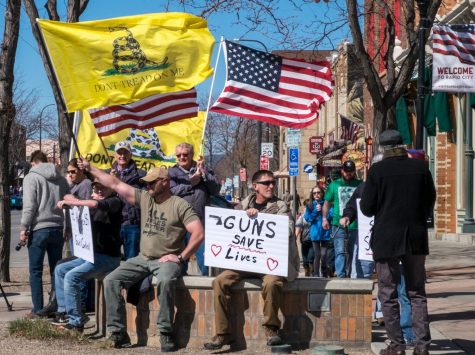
[(42, 222)]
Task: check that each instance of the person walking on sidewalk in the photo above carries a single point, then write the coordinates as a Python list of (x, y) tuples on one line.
[(165, 221), (42, 222), (400, 194), (260, 201)]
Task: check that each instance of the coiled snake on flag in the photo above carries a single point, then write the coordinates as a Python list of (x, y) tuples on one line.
[(128, 56)]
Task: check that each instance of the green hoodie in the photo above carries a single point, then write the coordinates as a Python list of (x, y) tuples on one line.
[(43, 188)]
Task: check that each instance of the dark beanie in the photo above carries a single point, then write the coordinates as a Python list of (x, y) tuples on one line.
[(390, 137)]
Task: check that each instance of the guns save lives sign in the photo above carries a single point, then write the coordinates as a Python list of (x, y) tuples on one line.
[(235, 241)]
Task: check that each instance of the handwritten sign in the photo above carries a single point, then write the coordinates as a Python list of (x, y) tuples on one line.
[(82, 233), (364, 233), (235, 241)]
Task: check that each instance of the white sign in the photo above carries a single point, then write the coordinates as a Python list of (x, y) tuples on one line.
[(267, 149), (364, 233), (293, 137), (235, 241), (453, 59), (82, 233)]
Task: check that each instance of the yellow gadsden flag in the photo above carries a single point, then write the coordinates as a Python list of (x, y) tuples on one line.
[(150, 147), (122, 60)]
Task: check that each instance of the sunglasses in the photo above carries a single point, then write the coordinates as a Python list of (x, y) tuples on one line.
[(317, 192), (184, 155), (72, 172), (266, 183)]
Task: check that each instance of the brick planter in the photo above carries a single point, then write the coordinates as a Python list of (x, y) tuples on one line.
[(314, 311)]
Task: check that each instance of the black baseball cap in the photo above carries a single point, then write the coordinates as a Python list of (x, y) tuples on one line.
[(349, 166)]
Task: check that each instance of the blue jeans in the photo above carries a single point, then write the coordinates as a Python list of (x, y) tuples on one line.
[(46, 240), (130, 239), (70, 275), (406, 310), (341, 259)]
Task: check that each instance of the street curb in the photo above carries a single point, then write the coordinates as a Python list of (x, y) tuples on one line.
[(462, 238)]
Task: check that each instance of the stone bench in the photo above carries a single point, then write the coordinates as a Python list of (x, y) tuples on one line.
[(314, 311)]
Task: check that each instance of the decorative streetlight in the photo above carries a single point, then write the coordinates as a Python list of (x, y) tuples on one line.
[(41, 119), (259, 123), (423, 26)]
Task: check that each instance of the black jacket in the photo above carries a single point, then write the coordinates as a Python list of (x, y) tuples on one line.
[(400, 193)]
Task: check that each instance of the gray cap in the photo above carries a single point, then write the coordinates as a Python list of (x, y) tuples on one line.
[(390, 137)]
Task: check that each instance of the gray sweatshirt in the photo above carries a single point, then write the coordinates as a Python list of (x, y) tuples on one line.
[(43, 188)]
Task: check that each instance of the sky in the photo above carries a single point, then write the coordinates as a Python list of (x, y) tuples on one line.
[(30, 71)]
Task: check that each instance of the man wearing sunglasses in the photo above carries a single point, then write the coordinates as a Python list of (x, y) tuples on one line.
[(260, 201), (194, 182), (165, 219)]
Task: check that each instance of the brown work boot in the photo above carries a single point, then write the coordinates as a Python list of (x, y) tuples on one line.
[(218, 341), (272, 335), (391, 351)]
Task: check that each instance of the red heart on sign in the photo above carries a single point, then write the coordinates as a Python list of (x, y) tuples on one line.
[(216, 249), (272, 263)]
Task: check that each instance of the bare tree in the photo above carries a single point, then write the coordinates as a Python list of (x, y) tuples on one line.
[(74, 9), (7, 116)]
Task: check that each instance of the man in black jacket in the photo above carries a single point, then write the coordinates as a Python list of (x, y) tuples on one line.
[(400, 193)]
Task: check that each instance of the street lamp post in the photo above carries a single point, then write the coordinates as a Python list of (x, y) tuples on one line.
[(423, 24), (41, 119), (259, 123)]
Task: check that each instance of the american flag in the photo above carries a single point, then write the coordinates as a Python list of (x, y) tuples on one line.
[(456, 40), (349, 129), (150, 112), (269, 88)]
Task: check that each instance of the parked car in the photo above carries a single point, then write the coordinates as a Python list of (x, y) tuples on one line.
[(17, 202)]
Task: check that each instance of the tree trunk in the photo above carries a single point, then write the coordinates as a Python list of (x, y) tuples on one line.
[(75, 9), (7, 115)]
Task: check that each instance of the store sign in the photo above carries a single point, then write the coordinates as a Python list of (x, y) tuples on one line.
[(315, 145)]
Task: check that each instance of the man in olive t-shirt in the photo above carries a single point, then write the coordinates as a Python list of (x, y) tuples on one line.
[(165, 220)]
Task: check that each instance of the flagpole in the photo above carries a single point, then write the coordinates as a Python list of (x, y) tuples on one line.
[(221, 41), (77, 120), (56, 84), (105, 150)]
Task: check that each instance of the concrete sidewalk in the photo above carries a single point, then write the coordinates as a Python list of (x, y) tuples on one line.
[(451, 299)]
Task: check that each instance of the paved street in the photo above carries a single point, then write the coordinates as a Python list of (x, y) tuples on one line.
[(17, 258)]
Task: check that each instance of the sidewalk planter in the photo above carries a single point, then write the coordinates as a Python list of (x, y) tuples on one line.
[(314, 311)]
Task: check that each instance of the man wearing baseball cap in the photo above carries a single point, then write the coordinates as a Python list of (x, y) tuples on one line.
[(125, 168), (338, 194), (165, 219)]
